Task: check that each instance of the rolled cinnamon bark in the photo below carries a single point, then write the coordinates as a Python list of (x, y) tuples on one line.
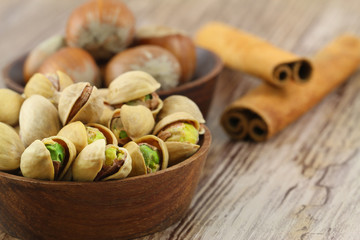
[(248, 53), (266, 110)]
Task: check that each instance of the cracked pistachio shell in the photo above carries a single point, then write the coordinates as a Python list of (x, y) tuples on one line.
[(76, 133), (137, 120), (89, 111), (106, 115), (36, 161), (156, 111), (131, 85), (179, 103), (10, 106), (138, 162), (176, 117), (48, 86), (178, 151), (91, 160), (109, 135), (11, 148), (125, 169), (38, 119)]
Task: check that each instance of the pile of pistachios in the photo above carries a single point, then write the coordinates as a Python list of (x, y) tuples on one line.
[(60, 130)]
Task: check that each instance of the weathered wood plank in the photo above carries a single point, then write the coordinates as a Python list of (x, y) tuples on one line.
[(303, 183)]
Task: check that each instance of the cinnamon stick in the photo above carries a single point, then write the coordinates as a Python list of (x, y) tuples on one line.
[(245, 52), (266, 110)]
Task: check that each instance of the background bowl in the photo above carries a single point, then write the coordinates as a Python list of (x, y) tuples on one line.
[(200, 89), (120, 209)]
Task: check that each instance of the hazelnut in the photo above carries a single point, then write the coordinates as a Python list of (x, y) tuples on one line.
[(76, 63), (101, 27), (156, 61), (40, 53), (177, 42)]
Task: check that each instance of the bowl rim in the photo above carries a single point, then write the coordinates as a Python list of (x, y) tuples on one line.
[(218, 66), (204, 148)]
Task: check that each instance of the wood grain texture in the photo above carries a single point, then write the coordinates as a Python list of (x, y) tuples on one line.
[(301, 184)]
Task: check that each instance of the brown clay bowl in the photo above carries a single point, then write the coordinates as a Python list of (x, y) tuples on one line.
[(200, 89), (120, 209)]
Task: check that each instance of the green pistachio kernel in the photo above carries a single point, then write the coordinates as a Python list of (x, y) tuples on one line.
[(123, 134), (139, 101), (118, 129), (132, 103), (183, 132), (57, 151), (151, 157), (148, 97), (94, 134), (111, 154)]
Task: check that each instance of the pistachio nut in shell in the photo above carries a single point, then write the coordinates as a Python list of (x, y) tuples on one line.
[(11, 148), (38, 119), (106, 132), (106, 115), (179, 103), (10, 106), (80, 102), (100, 162), (81, 135), (116, 125), (47, 85), (131, 85), (149, 154), (48, 159), (180, 132), (131, 122), (40, 53), (157, 61), (135, 88)]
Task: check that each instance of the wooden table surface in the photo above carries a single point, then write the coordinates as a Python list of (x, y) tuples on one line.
[(302, 184)]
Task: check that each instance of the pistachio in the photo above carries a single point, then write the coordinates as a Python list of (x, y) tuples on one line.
[(80, 102), (112, 154), (81, 135), (131, 122), (117, 127), (179, 103), (38, 119), (135, 88), (9, 112), (94, 134), (100, 162), (180, 132), (151, 157), (57, 152), (48, 159), (149, 154), (11, 148)]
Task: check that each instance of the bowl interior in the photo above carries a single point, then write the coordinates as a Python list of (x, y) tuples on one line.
[(200, 89)]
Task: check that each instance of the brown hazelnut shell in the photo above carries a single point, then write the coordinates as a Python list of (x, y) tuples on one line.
[(176, 42), (156, 61), (101, 27), (76, 63)]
